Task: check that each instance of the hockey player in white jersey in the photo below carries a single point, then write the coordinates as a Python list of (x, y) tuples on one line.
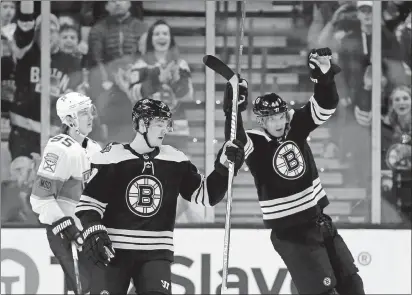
[(62, 175)]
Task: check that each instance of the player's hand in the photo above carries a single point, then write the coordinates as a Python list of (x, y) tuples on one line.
[(242, 97), (67, 229), (321, 69), (97, 245), (231, 152)]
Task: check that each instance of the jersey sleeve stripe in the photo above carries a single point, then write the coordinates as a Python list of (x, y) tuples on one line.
[(88, 199), (140, 233), (140, 239), (319, 114), (87, 203), (88, 207), (249, 147), (293, 204), (200, 195), (141, 247)]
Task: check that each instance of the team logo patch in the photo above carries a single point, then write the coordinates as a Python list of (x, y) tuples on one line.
[(144, 195), (45, 184), (50, 162), (288, 161), (107, 148)]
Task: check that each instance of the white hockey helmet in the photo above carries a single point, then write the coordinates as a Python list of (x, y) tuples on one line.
[(70, 104)]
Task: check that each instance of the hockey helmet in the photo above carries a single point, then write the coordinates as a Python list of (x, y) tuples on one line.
[(149, 109), (71, 103), (268, 105)]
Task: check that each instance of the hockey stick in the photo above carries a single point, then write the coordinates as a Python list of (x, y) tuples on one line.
[(76, 268), (221, 68)]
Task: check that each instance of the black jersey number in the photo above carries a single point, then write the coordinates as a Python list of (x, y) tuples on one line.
[(66, 141)]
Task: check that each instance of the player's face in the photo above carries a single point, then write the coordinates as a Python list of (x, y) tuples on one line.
[(275, 124), (85, 119), (8, 11), (161, 38), (157, 130), (401, 102), (68, 41)]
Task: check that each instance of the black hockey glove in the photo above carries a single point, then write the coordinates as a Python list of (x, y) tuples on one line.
[(242, 97), (67, 229), (230, 152), (322, 71), (97, 244)]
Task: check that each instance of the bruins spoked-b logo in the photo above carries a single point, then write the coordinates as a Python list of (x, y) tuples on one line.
[(288, 161), (144, 195)]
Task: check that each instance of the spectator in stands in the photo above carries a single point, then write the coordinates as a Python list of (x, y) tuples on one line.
[(113, 44), (362, 104), (355, 54), (395, 13), (7, 14), (403, 34), (330, 22), (399, 115), (161, 74), (69, 40), (397, 149)]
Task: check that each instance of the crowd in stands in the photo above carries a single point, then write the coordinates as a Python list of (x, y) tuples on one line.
[(102, 49), (346, 27), (108, 51)]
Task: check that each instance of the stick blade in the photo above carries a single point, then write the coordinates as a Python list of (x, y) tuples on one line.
[(218, 66)]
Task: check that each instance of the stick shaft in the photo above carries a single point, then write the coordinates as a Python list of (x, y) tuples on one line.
[(76, 268), (233, 127)]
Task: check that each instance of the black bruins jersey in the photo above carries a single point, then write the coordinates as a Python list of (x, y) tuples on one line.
[(136, 195), (285, 173)]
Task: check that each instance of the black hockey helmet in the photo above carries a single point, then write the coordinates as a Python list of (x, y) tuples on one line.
[(268, 105), (148, 109)]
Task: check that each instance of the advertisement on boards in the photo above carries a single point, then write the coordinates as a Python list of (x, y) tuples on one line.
[(382, 256)]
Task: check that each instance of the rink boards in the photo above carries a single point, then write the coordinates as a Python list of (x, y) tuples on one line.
[(383, 258)]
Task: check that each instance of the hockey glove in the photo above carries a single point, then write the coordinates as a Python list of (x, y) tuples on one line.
[(242, 97), (67, 229), (97, 244), (230, 152), (322, 71)]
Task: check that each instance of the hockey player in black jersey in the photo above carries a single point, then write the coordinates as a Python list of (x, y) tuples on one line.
[(128, 208), (290, 192)]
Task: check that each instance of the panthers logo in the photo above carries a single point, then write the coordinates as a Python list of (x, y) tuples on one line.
[(144, 195), (288, 161)]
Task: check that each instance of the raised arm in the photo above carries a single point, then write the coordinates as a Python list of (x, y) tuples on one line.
[(322, 104)]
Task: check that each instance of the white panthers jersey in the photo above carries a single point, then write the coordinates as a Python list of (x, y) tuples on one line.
[(63, 172)]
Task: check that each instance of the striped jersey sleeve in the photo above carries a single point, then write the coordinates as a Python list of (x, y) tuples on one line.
[(54, 180), (193, 188), (320, 107), (96, 194)]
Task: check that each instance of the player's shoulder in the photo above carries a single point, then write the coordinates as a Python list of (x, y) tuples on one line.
[(61, 144), (112, 153), (257, 135), (93, 146), (169, 153)]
